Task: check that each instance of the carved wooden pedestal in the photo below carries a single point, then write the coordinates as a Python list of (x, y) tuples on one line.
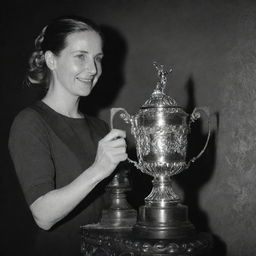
[(103, 241)]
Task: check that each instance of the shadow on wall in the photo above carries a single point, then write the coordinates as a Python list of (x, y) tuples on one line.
[(199, 173), (112, 79)]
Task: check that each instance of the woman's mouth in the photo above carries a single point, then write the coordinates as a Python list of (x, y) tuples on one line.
[(84, 80)]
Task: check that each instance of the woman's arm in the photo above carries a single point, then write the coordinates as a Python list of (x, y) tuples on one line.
[(50, 208)]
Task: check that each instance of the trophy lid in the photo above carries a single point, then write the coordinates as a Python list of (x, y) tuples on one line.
[(158, 98)]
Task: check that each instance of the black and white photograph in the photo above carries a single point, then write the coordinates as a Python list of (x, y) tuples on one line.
[(128, 128)]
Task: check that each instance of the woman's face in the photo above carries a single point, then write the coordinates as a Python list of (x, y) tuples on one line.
[(78, 66)]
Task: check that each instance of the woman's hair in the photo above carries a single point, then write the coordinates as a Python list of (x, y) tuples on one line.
[(53, 38)]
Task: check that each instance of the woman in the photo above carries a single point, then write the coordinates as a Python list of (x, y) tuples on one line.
[(59, 154)]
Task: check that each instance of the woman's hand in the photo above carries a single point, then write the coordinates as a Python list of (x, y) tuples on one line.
[(111, 151)]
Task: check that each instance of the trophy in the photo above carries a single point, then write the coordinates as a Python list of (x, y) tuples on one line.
[(160, 129)]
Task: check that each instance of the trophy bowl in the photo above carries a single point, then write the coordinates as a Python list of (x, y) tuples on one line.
[(160, 129)]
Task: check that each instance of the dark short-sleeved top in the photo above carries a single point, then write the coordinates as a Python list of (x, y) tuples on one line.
[(50, 150)]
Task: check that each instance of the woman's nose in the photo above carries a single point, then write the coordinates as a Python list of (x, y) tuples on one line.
[(91, 67)]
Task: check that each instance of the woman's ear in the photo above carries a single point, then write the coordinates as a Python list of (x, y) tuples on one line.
[(50, 60)]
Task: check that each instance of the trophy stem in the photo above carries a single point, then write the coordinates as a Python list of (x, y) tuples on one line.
[(162, 193), (163, 215)]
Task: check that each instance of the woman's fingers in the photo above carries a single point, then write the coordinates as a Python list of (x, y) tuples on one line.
[(114, 139), (113, 146), (114, 134), (117, 143)]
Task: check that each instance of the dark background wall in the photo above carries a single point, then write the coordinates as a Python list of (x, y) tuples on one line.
[(211, 47)]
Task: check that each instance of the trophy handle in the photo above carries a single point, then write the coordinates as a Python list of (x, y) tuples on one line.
[(128, 119), (194, 116), (114, 111)]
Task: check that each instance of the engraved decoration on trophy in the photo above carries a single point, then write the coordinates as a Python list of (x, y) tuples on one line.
[(160, 129)]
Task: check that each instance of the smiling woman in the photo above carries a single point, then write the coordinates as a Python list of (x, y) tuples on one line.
[(67, 154), (77, 68)]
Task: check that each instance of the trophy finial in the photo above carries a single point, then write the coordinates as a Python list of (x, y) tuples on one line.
[(162, 75)]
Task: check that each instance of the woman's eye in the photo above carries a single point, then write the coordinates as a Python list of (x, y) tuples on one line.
[(80, 57), (98, 59)]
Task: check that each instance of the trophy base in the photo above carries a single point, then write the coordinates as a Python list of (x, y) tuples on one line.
[(118, 218), (163, 222)]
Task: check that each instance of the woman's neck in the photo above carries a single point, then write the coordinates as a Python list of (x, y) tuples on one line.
[(67, 107)]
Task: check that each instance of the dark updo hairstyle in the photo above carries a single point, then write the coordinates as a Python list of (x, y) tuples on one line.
[(53, 38)]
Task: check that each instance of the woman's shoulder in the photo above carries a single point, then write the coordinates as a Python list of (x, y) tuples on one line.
[(29, 119)]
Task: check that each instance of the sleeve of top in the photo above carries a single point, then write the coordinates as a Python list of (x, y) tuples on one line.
[(29, 148)]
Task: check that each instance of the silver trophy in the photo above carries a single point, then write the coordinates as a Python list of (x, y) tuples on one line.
[(160, 130)]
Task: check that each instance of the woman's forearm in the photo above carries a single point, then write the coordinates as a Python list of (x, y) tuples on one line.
[(56, 204)]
